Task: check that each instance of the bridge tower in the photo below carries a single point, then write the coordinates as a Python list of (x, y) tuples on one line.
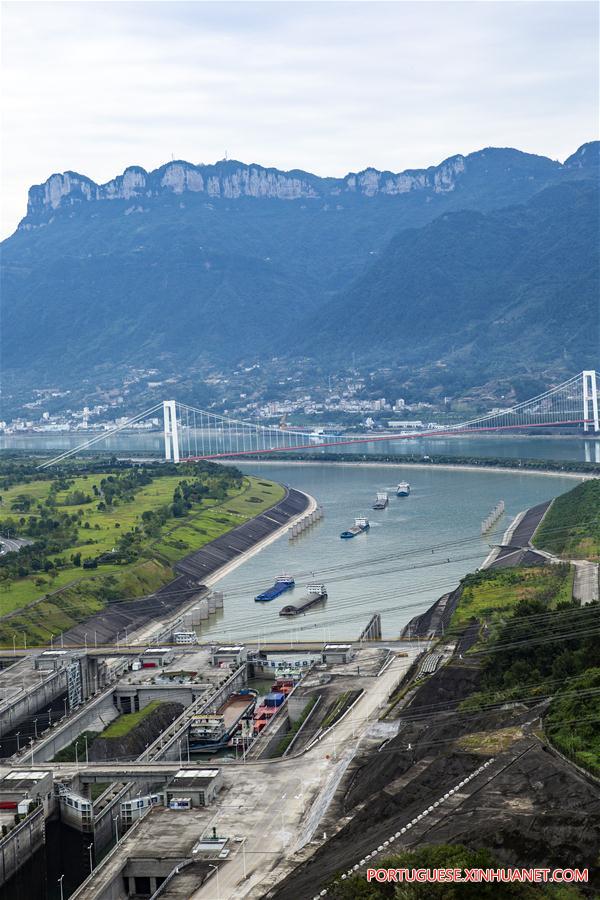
[(170, 430), (590, 400)]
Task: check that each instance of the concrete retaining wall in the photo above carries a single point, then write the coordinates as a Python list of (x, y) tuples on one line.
[(21, 843), (40, 697), (177, 693), (62, 735)]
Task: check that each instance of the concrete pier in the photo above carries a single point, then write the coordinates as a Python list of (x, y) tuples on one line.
[(305, 522)]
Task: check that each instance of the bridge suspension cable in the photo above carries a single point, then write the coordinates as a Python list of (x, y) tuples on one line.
[(101, 437), (192, 434)]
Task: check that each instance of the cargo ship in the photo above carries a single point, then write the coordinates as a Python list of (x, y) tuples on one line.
[(282, 584), (210, 732), (381, 500), (403, 489), (267, 709), (316, 594), (361, 523)]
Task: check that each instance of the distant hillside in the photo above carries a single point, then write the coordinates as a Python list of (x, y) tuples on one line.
[(232, 262), (471, 289)]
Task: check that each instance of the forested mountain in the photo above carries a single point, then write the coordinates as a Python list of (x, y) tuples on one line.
[(231, 262), (512, 285)]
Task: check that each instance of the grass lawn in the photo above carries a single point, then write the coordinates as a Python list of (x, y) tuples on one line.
[(127, 722), (119, 728), (492, 593), (40, 605)]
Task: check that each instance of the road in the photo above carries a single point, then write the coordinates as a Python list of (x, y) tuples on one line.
[(299, 791), (585, 584), (12, 545)]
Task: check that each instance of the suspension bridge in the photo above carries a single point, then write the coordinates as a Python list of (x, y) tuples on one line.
[(192, 434)]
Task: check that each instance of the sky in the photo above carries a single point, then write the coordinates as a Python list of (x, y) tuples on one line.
[(328, 87)]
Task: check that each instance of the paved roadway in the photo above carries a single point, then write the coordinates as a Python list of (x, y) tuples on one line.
[(12, 545), (298, 791)]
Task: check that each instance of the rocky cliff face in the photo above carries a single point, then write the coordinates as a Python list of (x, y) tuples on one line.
[(231, 180), (223, 180)]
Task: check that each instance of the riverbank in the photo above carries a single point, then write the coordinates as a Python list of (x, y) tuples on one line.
[(248, 554), (229, 567), (465, 467), (178, 597)]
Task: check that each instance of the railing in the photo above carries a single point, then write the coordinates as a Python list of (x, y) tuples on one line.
[(180, 725)]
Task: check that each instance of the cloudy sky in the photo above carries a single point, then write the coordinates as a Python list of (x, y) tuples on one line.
[(329, 87)]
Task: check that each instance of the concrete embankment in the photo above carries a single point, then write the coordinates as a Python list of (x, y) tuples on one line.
[(516, 548), (194, 574)]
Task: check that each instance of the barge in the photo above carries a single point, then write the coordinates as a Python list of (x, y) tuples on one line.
[(282, 584), (381, 500), (316, 594), (361, 523), (269, 706)]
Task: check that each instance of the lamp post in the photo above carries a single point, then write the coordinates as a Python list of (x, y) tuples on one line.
[(60, 884), (35, 728), (18, 735), (116, 821), (91, 858)]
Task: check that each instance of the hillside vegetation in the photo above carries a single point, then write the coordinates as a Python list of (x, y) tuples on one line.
[(470, 284), (534, 640), (537, 654), (112, 534), (571, 527), (490, 594)]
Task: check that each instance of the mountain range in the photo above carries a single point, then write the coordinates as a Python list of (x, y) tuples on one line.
[(487, 262)]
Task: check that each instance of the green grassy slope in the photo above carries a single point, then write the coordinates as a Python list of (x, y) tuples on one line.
[(571, 527), (43, 603)]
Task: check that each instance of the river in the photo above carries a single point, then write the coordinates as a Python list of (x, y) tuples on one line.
[(416, 549), (519, 446)]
